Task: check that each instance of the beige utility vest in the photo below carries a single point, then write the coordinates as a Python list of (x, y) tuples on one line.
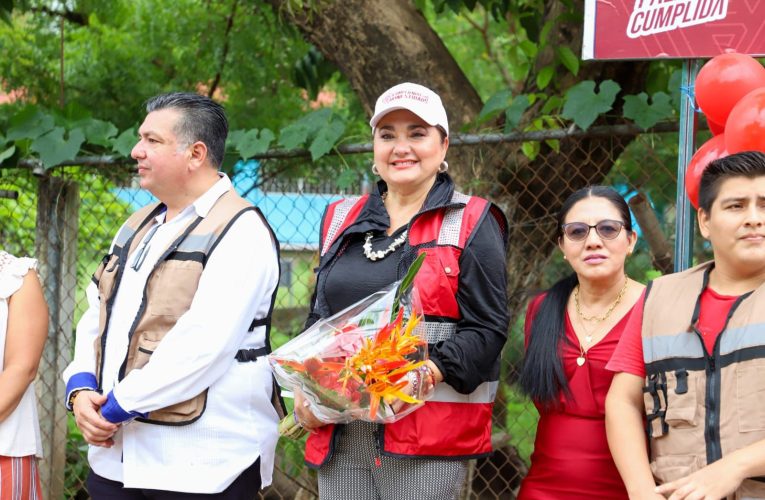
[(701, 407), (168, 292)]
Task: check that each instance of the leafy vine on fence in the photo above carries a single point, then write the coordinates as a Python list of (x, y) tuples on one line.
[(48, 135)]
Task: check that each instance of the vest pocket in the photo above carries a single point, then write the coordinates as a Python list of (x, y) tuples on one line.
[(437, 281), (106, 276), (144, 349), (671, 467), (183, 413), (750, 392), (172, 287), (671, 401), (682, 406)]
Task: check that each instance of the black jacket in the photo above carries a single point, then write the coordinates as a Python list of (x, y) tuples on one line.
[(472, 355)]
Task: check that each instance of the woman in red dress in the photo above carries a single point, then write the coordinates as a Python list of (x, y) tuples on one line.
[(571, 331)]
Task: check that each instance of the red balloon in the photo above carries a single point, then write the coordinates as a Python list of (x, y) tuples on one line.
[(711, 150), (725, 79), (745, 128), (715, 128)]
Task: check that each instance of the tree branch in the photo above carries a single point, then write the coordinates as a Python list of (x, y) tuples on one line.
[(661, 251), (79, 18), (224, 53), (484, 31)]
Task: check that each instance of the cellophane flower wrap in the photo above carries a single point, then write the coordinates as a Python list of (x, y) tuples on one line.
[(355, 365)]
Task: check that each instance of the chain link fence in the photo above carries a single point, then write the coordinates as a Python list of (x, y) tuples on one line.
[(67, 218)]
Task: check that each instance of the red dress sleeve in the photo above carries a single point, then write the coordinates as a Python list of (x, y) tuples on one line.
[(628, 355)]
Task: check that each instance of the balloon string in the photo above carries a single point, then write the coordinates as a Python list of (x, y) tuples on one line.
[(688, 91)]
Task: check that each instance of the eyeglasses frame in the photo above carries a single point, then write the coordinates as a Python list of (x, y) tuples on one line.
[(591, 227)]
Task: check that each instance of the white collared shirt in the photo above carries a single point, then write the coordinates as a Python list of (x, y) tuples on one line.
[(239, 423)]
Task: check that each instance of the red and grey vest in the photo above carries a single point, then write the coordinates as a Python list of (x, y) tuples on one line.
[(451, 425), (702, 406)]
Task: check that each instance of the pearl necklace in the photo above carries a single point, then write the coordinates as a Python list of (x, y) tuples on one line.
[(374, 255)]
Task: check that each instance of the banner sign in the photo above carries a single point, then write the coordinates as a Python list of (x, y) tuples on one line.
[(663, 29)]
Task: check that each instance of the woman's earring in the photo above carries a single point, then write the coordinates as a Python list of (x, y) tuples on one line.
[(374, 169), (443, 167)]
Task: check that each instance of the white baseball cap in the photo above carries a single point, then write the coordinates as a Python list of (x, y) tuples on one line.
[(420, 100)]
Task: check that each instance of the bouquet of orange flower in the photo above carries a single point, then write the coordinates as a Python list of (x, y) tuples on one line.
[(357, 363)]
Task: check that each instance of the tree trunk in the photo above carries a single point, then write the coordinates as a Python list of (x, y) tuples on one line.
[(379, 43)]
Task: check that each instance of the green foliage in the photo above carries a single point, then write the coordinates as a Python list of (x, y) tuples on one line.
[(7, 153), (29, 123), (566, 56), (313, 71), (124, 143), (650, 164), (545, 76), (252, 142), (319, 131), (584, 105), (514, 112), (530, 149), (652, 274), (54, 149), (76, 463), (129, 50), (647, 115), (6, 6), (520, 421), (34, 132), (97, 132), (513, 40), (17, 232), (100, 214), (495, 104), (469, 49)]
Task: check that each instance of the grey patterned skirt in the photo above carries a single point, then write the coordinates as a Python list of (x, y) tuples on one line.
[(356, 471)]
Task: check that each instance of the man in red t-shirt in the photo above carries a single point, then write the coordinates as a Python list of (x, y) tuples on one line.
[(731, 216)]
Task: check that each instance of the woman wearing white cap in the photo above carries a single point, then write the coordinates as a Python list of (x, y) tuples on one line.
[(369, 242)]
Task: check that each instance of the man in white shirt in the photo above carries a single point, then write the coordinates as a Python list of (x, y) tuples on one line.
[(169, 383)]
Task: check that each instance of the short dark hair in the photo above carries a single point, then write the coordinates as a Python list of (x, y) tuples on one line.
[(542, 375), (749, 164), (202, 119)]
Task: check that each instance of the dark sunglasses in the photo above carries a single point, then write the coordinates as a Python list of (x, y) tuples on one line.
[(606, 229)]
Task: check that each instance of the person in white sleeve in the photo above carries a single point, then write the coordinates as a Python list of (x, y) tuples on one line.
[(169, 384), (23, 330)]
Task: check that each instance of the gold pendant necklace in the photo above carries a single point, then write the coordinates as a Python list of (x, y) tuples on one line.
[(580, 359), (588, 335)]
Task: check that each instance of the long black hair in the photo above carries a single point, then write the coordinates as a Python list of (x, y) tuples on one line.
[(542, 376)]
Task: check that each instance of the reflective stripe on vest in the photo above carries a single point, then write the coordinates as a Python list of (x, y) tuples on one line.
[(341, 212), (701, 406), (179, 267), (452, 224), (484, 393), (434, 331)]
